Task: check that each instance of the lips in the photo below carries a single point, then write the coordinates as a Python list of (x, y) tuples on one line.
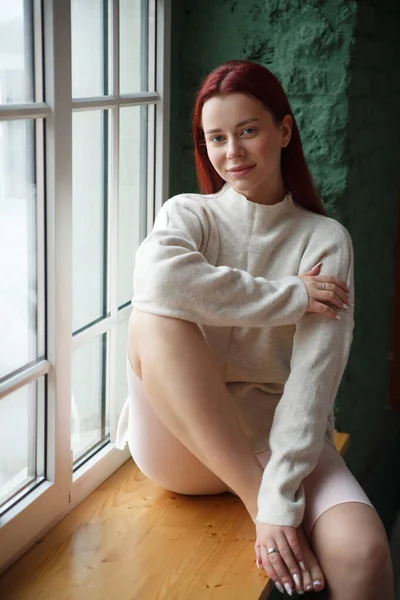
[(241, 170)]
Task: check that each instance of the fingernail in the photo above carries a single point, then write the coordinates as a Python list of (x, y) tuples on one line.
[(300, 592), (279, 587), (296, 579), (288, 589), (318, 265), (317, 583), (345, 306), (339, 318), (302, 567), (258, 565), (309, 588)]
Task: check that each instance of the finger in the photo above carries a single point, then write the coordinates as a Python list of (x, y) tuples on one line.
[(329, 295), (318, 307), (272, 572), (333, 280), (314, 271), (258, 556), (285, 541), (279, 560), (340, 295), (298, 574)]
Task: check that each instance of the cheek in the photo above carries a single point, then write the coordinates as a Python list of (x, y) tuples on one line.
[(215, 157), (268, 150)]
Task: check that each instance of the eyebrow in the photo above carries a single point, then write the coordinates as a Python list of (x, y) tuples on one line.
[(245, 122)]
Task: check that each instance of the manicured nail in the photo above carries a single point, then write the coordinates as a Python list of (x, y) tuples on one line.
[(302, 567), (309, 588), (279, 587), (258, 565), (288, 589), (317, 583), (345, 306), (296, 579), (339, 318), (300, 593), (318, 265)]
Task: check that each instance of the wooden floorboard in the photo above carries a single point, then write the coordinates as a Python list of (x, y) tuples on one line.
[(132, 540)]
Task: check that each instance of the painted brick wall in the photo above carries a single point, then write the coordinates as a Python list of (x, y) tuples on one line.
[(337, 62)]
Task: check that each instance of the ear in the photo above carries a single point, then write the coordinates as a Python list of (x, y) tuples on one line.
[(287, 125)]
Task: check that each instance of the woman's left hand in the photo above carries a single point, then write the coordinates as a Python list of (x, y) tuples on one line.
[(285, 565)]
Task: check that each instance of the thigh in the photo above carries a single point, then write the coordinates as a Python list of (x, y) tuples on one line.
[(351, 546), (158, 453), (330, 484)]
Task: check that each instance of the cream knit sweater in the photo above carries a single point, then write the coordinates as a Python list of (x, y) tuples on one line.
[(231, 266)]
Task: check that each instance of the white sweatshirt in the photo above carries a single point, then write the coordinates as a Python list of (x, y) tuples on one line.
[(231, 266)]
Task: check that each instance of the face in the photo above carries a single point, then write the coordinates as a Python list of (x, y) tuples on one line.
[(244, 144)]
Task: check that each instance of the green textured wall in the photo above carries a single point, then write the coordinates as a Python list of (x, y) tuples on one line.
[(337, 62)]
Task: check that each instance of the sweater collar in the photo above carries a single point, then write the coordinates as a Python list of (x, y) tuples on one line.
[(286, 203)]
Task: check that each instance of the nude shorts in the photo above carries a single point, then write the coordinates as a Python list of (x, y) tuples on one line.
[(165, 460)]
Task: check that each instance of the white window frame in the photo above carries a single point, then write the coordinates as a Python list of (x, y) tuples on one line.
[(40, 510)]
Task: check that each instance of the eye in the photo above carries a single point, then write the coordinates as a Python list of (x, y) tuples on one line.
[(249, 130), (217, 138)]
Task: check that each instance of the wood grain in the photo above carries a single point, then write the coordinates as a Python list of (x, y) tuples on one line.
[(132, 540)]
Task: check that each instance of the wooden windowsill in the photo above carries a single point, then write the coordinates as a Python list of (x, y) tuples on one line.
[(130, 539)]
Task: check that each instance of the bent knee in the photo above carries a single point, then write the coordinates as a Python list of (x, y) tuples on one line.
[(368, 553), (148, 333)]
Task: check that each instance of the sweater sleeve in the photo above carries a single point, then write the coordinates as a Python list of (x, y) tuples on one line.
[(173, 278), (320, 353)]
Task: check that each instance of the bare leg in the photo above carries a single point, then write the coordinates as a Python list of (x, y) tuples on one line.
[(352, 548), (186, 389), (176, 365)]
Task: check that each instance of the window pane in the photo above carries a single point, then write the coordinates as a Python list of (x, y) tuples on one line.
[(90, 416), (89, 163), (16, 52), (22, 440), (18, 283), (89, 48), (132, 194), (121, 380), (133, 46)]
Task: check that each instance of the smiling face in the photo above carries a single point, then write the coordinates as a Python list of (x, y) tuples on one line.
[(244, 145)]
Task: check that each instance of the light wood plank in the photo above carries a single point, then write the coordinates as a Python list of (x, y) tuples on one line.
[(132, 540)]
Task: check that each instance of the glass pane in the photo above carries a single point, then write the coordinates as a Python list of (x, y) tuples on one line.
[(89, 163), (16, 52), (89, 48), (133, 22), (90, 419), (18, 285), (132, 194), (22, 440), (121, 380)]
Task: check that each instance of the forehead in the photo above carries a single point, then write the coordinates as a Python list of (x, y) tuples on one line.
[(232, 108)]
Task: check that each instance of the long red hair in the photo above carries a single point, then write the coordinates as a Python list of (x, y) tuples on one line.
[(254, 80)]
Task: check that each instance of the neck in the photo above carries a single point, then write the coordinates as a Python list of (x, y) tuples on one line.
[(271, 191)]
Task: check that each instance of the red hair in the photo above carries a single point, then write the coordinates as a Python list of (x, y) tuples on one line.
[(254, 80)]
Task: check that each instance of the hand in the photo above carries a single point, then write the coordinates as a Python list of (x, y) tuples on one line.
[(286, 567), (336, 292)]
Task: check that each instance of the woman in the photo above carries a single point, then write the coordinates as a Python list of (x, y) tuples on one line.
[(239, 336)]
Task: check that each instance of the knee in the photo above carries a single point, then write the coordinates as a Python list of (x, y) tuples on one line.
[(148, 327), (150, 333), (365, 558)]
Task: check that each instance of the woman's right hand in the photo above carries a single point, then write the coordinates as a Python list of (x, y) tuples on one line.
[(336, 293)]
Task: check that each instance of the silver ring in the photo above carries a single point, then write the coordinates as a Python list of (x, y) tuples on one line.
[(324, 286), (272, 550)]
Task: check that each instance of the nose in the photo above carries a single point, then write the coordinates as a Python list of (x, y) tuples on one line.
[(233, 149)]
